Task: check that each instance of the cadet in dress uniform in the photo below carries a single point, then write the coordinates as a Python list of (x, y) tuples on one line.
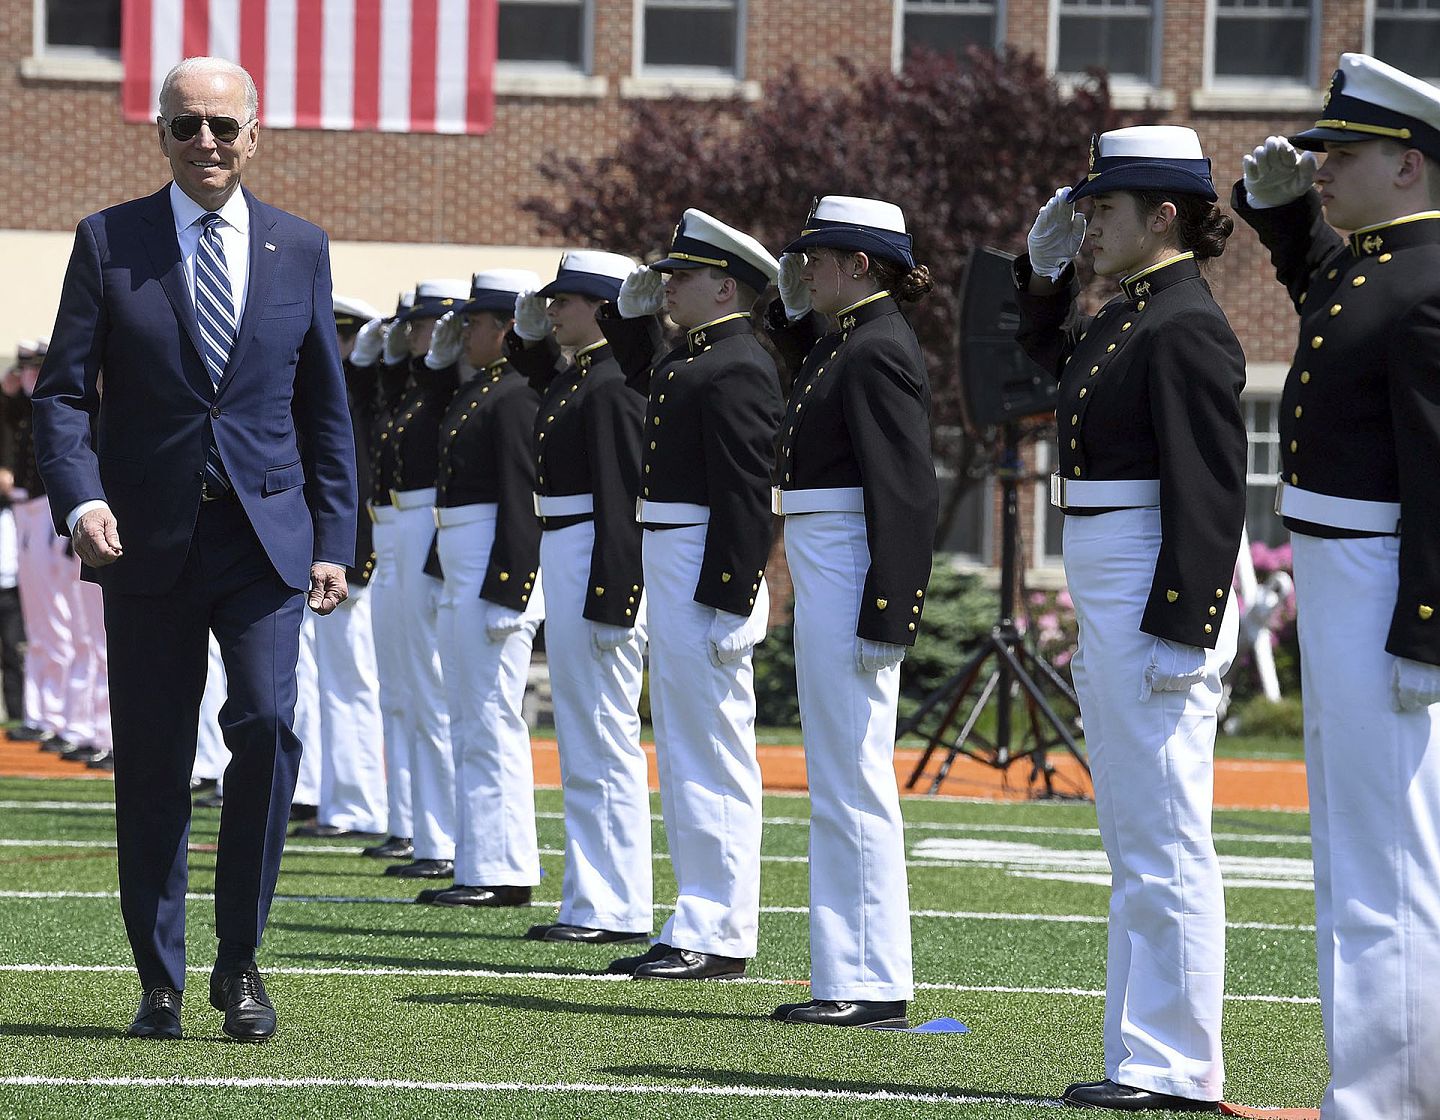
[(1152, 482), (382, 343), (488, 546), (857, 490), (414, 444), (1360, 493), (714, 408), (352, 771), (587, 468)]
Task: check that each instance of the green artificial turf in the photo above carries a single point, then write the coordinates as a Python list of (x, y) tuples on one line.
[(389, 1009)]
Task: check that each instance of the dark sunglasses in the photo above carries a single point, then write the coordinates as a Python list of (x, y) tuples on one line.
[(187, 127)]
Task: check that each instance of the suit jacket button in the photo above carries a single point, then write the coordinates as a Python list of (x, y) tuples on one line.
[(215, 412), (1209, 629)]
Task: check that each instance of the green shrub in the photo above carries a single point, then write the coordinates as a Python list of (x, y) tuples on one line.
[(1257, 716)]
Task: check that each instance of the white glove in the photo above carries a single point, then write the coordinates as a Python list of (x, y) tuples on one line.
[(1172, 668), (642, 294), (871, 657), (1056, 236), (1276, 173), (531, 322), (445, 342), (369, 341), (794, 292), (731, 637), (603, 638), (1414, 685), (397, 343), (501, 622)]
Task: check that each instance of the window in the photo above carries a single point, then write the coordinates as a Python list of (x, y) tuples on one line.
[(1262, 468), (545, 33), (1116, 35), (1407, 35), (78, 27), (1049, 529), (1264, 40), (948, 26), (703, 35)]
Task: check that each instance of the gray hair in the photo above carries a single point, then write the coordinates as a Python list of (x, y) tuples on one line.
[(205, 64)]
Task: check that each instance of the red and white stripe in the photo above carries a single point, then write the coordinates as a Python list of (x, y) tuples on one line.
[(361, 65)]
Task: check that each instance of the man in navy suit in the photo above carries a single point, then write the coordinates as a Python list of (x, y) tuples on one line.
[(194, 438)]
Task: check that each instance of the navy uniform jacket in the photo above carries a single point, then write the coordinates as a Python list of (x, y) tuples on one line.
[(415, 439), (1150, 388), (1360, 413), (278, 417), (19, 454), (587, 441), (389, 392), (359, 388), (486, 456), (859, 415), (710, 423)]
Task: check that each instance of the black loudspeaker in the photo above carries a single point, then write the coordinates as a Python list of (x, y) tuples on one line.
[(999, 381)]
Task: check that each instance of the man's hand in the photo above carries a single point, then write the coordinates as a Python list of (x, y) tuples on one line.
[(327, 586), (446, 343), (7, 481), (1276, 173), (641, 294), (396, 346), (97, 538)]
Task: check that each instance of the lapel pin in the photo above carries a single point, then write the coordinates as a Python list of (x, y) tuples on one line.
[(269, 246)]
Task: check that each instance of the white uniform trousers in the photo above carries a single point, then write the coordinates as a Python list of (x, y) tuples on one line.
[(609, 880), (87, 689), (211, 754), (1374, 779), (495, 842), (1152, 764), (859, 894), (704, 720), (307, 716), (44, 575), (387, 621), (432, 762), (352, 762)]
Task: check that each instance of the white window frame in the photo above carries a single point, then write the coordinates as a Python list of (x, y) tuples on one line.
[(701, 73), (587, 44), (1369, 39), (1121, 82), (897, 30), (1259, 84), (519, 78)]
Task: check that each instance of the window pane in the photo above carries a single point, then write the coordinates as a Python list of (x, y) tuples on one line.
[(94, 24), (1411, 44), (1120, 44), (1260, 516), (703, 37), (1262, 48), (949, 33), (542, 33)]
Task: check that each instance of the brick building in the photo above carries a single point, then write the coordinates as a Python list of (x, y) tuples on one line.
[(400, 206)]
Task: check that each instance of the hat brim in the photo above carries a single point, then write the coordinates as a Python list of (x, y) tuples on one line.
[(855, 240), (670, 264), (595, 287), (1143, 177), (432, 312), (1315, 139), (494, 304)]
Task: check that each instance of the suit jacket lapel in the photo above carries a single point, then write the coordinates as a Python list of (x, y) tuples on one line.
[(263, 255), (164, 250)]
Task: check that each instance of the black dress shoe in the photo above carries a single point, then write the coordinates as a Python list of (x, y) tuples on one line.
[(80, 752), (210, 801), (394, 847), (1124, 1098), (625, 966), (584, 935), (479, 896), (25, 733), (53, 743), (319, 831), (300, 811), (687, 964), (249, 1014), (423, 869), (159, 1015), (845, 1013), (105, 762)]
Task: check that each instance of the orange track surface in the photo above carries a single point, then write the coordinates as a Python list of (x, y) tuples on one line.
[(1239, 784)]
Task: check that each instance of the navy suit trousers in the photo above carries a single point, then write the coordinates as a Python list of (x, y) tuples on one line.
[(158, 651)]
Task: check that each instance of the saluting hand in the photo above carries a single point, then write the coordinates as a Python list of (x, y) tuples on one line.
[(97, 538), (1276, 173), (794, 292), (369, 341), (328, 588), (642, 294), (397, 343), (531, 322), (445, 342), (1056, 237)]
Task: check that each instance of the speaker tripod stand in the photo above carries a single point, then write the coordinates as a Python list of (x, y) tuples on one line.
[(1003, 674)]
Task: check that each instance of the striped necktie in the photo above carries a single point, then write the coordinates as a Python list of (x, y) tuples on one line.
[(215, 311)]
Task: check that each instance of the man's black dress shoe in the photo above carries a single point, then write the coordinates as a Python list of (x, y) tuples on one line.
[(845, 1013), (1123, 1098), (105, 762), (211, 800), (159, 1015), (249, 1014), (686, 964), (423, 869), (479, 896), (53, 743), (585, 935), (626, 966), (393, 847), (25, 733), (319, 831), (80, 752)]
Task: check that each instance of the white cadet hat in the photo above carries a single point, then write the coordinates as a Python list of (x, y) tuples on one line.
[(1372, 100), (496, 289), (352, 313), (589, 272), (701, 241), (1149, 157), (840, 221), (433, 298)]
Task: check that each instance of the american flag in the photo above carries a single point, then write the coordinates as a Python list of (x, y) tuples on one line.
[(362, 65)]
